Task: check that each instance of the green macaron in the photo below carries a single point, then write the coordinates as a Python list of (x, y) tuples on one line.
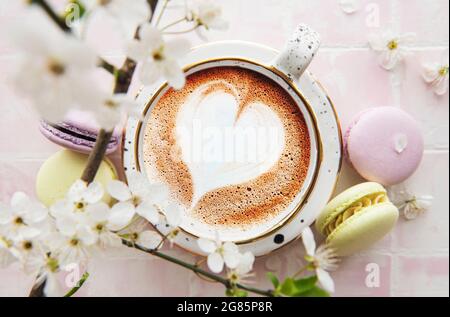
[(357, 218), (62, 169)]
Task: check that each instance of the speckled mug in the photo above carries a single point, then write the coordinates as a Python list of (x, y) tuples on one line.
[(286, 69)]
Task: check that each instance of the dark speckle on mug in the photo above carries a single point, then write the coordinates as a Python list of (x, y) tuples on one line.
[(278, 239)]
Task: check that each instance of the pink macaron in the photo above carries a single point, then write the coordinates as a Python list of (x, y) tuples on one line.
[(384, 145)]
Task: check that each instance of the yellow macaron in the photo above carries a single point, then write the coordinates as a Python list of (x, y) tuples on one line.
[(62, 169), (357, 218)]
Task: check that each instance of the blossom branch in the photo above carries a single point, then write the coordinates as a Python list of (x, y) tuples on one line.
[(194, 268)]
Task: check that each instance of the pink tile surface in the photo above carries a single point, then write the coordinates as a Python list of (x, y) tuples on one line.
[(411, 261), (422, 276)]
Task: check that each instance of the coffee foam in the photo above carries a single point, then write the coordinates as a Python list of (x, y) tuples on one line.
[(228, 193)]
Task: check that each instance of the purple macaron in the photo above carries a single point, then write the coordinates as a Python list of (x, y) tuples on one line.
[(78, 132), (384, 145)]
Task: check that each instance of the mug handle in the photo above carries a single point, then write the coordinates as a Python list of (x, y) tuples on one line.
[(298, 52)]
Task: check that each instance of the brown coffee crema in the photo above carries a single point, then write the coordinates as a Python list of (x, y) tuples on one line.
[(236, 206)]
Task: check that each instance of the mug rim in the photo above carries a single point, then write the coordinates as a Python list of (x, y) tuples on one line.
[(314, 127)]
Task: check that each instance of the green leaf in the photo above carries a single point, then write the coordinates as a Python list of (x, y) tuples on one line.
[(272, 277), (314, 292), (235, 292), (305, 284), (304, 287), (288, 287)]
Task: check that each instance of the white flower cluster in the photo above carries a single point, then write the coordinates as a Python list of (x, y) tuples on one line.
[(58, 70), (77, 227)]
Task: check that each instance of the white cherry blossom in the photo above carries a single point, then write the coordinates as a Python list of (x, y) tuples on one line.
[(220, 253), (437, 76), (78, 198), (410, 205), (110, 110), (104, 222), (6, 253), (243, 269), (20, 220), (158, 58), (139, 234), (55, 70), (73, 243), (46, 268), (208, 13), (321, 260), (139, 196), (391, 47)]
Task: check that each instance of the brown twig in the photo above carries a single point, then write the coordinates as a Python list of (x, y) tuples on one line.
[(37, 290), (196, 269), (96, 156)]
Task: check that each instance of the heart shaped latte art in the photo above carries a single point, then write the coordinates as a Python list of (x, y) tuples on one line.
[(225, 140), (232, 146)]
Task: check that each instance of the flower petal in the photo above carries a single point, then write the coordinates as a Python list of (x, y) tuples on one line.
[(6, 215), (308, 241), (149, 239), (20, 202), (52, 286), (246, 262), (137, 51), (98, 212), (177, 49), (121, 215), (206, 245), (94, 193), (231, 259), (430, 72), (87, 236), (138, 184), (407, 38), (325, 280), (377, 42), (174, 214), (119, 190), (174, 74), (149, 72), (76, 191), (159, 194), (390, 58), (149, 212), (441, 87), (215, 262), (150, 36)]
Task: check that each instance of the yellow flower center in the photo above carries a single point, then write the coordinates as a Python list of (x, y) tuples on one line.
[(136, 201), (392, 45), (110, 104), (27, 245), (56, 68), (74, 242), (443, 71), (80, 206), (158, 55), (19, 221)]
